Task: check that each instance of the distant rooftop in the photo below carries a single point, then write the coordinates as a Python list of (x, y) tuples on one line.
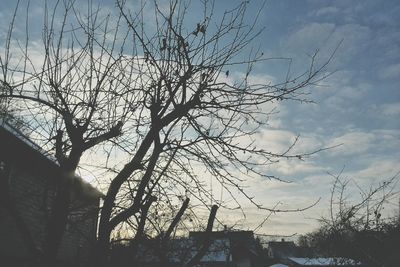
[(324, 261), (283, 249)]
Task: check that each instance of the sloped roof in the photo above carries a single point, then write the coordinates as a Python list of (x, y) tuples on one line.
[(17, 145), (283, 249), (4, 124), (241, 243), (324, 261), (182, 250)]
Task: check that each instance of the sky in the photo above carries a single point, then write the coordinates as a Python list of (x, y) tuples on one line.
[(357, 107)]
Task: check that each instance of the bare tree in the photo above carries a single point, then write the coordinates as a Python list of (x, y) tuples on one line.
[(365, 214), (64, 95), (357, 226), (160, 92)]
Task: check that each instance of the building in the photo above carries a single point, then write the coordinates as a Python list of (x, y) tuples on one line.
[(314, 262), (283, 249), (287, 254), (226, 249), (240, 248), (28, 179)]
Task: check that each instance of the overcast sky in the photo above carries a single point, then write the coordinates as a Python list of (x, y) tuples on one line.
[(358, 106)]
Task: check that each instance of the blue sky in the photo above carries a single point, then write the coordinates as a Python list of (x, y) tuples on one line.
[(358, 106)]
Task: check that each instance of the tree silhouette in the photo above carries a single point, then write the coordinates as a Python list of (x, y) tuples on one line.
[(356, 228), (155, 98)]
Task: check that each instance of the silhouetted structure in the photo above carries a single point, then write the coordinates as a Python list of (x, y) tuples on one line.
[(240, 247), (28, 178), (282, 249), (226, 249), (286, 253), (315, 262)]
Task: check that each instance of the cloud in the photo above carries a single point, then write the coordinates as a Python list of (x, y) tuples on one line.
[(279, 140), (357, 142), (390, 72), (344, 94), (260, 79), (387, 18), (329, 10), (326, 37), (320, 180), (391, 109), (296, 167), (352, 143), (381, 168), (276, 141), (310, 36), (277, 223)]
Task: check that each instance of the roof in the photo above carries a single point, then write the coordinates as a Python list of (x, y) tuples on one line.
[(225, 248), (25, 139), (218, 251), (283, 249), (241, 243), (18, 147), (182, 250), (233, 235), (324, 261)]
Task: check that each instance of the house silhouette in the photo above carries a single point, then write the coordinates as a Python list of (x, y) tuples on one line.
[(28, 181)]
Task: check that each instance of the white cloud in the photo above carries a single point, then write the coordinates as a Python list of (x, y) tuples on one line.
[(315, 180), (380, 168), (351, 143), (276, 141), (260, 79), (296, 167)]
